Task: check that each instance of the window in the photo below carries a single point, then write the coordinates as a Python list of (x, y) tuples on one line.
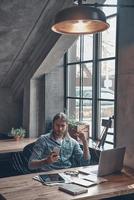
[(90, 76)]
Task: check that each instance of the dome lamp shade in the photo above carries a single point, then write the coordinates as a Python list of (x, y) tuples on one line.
[(80, 20)]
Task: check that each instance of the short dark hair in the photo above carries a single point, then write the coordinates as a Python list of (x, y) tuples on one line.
[(61, 116)]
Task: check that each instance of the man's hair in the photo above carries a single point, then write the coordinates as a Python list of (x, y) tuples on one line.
[(61, 116)]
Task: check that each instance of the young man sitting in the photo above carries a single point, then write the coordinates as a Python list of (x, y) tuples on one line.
[(46, 156)]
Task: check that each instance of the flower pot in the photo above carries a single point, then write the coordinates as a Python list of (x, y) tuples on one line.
[(18, 138)]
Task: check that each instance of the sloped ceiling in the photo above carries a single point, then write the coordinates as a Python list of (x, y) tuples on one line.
[(25, 37)]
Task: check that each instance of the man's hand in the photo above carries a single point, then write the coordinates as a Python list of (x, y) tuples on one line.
[(85, 145), (81, 136), (53, 157)]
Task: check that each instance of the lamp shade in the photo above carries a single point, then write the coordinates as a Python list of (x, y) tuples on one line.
[(80, 20)]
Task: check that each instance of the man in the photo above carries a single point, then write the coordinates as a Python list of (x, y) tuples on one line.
[(45, 154)]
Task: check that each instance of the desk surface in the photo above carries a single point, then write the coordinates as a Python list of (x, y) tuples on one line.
[(24, 187), (12, 145)]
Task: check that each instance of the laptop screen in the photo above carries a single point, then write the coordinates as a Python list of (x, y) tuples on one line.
[(111, 161)]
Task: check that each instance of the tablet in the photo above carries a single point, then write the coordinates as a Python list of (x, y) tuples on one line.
[(51, 178)]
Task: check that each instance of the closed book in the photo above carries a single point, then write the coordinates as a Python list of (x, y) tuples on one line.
[(72, 189)]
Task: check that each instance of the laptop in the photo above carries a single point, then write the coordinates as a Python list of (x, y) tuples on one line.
[(110, 161)]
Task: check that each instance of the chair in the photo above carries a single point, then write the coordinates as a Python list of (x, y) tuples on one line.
[(20, 160), (27, 151)]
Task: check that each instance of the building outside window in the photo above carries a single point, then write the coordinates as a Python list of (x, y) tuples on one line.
[(90, 76)]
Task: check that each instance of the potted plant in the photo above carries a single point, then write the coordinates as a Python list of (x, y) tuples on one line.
[(76, 126), (18, 133)]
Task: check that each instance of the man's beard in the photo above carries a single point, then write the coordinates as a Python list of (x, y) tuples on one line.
[(61, 133)]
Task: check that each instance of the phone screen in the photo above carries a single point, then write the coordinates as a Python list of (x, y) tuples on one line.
[(56, 150)]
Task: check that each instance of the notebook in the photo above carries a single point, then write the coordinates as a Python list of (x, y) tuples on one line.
[(110, 161), (82, 182), (72, 189)]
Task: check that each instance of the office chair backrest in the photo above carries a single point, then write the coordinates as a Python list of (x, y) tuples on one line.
[(20, 160), (27, 151)]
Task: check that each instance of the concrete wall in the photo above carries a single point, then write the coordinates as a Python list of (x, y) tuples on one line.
[(125, 82), (54, 94), (26, 107), (37, 107), (43, 98), (10, 111)]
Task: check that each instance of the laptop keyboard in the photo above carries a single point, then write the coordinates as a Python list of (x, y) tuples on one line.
[(94, 171)]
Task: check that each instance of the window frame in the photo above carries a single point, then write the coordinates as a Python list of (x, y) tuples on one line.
[(95, 80)]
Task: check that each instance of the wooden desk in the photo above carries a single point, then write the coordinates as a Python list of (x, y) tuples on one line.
[(7, 146), (25, 188)]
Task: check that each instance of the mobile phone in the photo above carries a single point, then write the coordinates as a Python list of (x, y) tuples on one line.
[(56, 150)]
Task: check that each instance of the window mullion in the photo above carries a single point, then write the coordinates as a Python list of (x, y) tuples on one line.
[(81, 77), (65, 82), (95, 88)]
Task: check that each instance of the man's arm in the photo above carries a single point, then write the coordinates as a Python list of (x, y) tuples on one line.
[(36, 164), (81, 157), (86, 153), (38, 159)]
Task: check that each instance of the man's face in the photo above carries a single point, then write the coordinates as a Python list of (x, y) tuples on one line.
[(60, 128)]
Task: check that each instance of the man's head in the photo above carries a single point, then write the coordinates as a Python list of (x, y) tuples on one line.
[(60, 125)]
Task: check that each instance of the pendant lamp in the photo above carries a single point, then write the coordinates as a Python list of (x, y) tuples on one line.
[(81, 19)]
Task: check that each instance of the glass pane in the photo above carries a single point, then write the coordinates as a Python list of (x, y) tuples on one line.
[(107, 94), (87, 110), (88, 48), (73, 109), (86, 113), (110, 138), (87, 69), (73, 80), (111, 2), (106, 112), (107, 109), (74, 52), (108, 44), (87, 92), (107, 79), (110, 10), (84, 92), (108, 146)]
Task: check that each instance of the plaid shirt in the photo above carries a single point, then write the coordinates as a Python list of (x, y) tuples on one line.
[(71, 154)]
